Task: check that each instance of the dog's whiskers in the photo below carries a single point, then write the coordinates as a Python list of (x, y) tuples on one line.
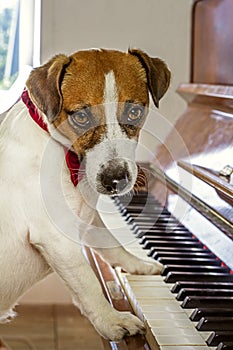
[(141, 181)]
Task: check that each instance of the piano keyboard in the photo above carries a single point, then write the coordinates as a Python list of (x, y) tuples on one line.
[(188, 307)]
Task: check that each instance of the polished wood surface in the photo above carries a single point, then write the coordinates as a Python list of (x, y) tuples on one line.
[(3, 346), (117, 298), (212, 42), (49, 327), (205, 127), (203, 134), (213, 178)]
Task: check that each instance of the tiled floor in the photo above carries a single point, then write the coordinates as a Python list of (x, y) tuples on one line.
[(55, 327)]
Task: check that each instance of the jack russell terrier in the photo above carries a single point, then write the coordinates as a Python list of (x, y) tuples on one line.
[(89, 106)]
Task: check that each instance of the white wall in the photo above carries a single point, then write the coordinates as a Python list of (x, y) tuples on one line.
[(160, 27)]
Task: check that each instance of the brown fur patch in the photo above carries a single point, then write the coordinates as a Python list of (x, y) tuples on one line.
[(141, 181)]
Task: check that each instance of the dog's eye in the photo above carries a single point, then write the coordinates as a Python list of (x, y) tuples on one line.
[(80, 119), (135, 114)]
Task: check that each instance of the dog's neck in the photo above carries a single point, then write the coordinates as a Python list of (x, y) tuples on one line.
[(72, 159)]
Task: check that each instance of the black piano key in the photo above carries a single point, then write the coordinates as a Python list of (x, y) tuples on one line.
[(198, 313), (210, 323), (153, 222), (150, 219), (192, 302), (225, 346), (149, 214), (173, 229), (155, 217), (163, 243), (219, 336), (138, 233), (145, 220), (161, 233), (140, 194), (193, 268), (147, 203), (160, 230), (154, 232), (140, 198), (180, 251), (138, 202), (150, 224), (135, 211), (175, 276), (149, 210), (204, 285), (168, 237), (183, 293), (189, 261), (182, 255)]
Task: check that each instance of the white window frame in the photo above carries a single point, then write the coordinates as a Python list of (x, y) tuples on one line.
[(29, 50)]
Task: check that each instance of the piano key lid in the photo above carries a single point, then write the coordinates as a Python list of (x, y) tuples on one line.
[(221, 181)]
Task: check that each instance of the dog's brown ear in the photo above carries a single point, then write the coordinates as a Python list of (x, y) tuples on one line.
[(44, 86), (158, 75)]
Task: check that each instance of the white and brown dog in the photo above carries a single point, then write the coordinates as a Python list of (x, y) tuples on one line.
[(94, 103)]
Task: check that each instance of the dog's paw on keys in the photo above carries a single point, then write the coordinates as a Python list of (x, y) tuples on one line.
[(121, 325), (145, 267)]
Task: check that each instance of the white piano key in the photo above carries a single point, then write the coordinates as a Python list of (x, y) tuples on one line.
[(186, 331), (167, 323), (180, 347), (160, 315), (170, 323), (152, 292), (178, 339), (159, 304), (145, 278), (150, 284)]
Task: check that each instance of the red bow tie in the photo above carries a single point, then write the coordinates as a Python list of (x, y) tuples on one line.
[(72, 160)]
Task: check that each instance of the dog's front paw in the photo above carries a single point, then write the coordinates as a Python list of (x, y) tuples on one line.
[(145, 267), (117, 325)]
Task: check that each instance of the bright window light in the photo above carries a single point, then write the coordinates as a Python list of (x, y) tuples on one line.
[(19, 47)]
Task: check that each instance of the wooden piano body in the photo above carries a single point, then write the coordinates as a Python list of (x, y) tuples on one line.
[(189, 175)]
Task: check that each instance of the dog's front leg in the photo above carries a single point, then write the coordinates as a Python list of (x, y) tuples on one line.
[(67, 259), (112, 251)]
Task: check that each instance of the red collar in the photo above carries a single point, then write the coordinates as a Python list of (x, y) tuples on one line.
[(72, 160)]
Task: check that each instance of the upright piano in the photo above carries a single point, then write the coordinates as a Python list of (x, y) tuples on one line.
[(184, 219)]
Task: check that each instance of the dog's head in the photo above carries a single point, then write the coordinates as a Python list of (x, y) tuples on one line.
[(98, 99)]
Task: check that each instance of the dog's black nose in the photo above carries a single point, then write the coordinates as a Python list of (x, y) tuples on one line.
[(115, 186), (114, 180)]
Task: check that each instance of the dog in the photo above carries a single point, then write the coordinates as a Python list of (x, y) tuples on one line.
[(93, 104)]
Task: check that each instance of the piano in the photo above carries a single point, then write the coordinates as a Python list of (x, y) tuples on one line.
[(184, 218)]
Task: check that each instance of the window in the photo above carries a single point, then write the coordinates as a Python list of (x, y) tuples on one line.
[(9, 37), (19, 47)]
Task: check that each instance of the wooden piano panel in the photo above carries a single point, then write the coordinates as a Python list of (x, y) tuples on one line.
[(3, 346), (203, 135), (212, 40), (205, 126), (117, 298)]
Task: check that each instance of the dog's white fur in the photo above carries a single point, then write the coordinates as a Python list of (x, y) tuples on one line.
[(31, 244), (115, 144)]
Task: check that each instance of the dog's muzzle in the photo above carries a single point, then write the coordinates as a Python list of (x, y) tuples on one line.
[(114, 177)]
